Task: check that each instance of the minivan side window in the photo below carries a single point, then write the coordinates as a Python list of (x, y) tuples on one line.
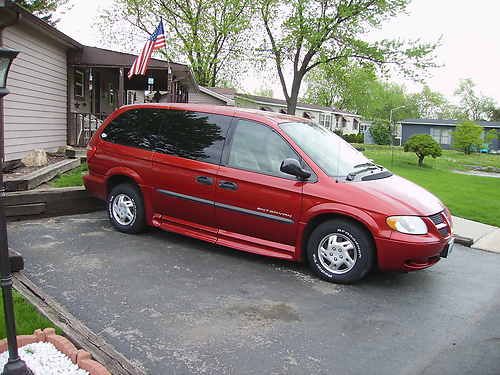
[(256, 147), (134, 128), (192, 135)]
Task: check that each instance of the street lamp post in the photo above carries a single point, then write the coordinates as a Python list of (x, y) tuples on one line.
[(14, 365), (392, 131)]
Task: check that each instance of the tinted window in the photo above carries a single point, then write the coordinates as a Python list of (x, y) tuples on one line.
[(133, 128), (192, 135), (258, 148), (186, 134)]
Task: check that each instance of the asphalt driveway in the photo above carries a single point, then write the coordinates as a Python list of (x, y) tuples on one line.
[(180, 306)]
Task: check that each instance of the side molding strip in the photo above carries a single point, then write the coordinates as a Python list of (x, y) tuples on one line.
[(184, 196), (226, 206)]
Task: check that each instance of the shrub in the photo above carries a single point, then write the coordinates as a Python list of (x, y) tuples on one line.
[(422, 145), (354, 138), (467, 136), (381, 133)]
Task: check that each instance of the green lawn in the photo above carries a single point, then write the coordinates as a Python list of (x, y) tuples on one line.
[(71, 178), (473, 197), (27, 317)]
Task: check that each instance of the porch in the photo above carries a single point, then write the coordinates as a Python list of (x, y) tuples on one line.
[(98, 84)]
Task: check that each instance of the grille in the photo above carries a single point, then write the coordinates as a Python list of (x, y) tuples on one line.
[(440, 223), (437, 218), (444, 231)]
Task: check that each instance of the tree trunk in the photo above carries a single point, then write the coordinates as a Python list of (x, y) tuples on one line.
[(291, 103), (420, 160)]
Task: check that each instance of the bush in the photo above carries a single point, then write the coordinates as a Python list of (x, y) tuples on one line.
[(354, 138), (381, 133), (422, 145), (467, 137)]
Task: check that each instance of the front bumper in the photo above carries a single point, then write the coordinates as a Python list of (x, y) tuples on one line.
[(409, 253)]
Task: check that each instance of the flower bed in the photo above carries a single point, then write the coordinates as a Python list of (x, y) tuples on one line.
[(44, 348)]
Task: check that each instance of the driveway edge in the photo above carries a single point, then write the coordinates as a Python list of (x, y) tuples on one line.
[(74, 329)]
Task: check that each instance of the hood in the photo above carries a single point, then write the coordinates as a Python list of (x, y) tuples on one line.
[(400, 196)]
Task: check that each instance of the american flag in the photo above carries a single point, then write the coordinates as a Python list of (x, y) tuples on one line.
[(154, 43)]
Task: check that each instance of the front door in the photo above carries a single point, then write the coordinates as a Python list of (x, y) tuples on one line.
[(186, 160), (257, 206)]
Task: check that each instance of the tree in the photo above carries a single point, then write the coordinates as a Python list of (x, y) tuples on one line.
[(422, 145), (381, 132), (305, 34), (43, 8), (207, 34), (430, 104), (467, 135), (495, 114), (474, 106), (356, 88), (490, 136)]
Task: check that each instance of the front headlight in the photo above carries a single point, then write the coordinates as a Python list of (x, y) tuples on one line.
[(407, 224)]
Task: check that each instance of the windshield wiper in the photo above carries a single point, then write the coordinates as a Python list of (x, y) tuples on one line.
[(368, 164), (370, 167)]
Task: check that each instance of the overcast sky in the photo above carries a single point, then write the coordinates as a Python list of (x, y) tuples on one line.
[(469, 30)]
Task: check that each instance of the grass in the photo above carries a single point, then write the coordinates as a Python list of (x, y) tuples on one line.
[(28, 318), (71, 178), (472, 197)]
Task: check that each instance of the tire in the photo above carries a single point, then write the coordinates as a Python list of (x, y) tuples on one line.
[(126, 208), (351, 254)]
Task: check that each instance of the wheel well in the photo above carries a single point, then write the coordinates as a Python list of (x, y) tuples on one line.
[(118, 179), (317, 220)]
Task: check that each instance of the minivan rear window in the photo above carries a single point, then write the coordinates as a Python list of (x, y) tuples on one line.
[(187, 134)]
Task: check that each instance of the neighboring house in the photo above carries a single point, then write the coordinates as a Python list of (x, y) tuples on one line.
[(213, 95), (441, 130), (60, 90), (331, 118)]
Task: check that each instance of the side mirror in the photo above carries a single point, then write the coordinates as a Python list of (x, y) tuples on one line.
[(292, 166)]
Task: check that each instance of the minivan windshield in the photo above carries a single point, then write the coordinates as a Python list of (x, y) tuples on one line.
[(332, 154)]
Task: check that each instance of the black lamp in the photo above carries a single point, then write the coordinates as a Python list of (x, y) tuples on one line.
[(14, 366)]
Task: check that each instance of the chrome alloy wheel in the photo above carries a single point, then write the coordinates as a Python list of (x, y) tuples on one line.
[(123, 208), (337, 253)]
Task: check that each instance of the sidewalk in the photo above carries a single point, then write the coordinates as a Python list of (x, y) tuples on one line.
[(484, 237)]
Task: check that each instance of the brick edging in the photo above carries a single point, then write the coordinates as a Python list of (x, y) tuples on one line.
[(79, 357)]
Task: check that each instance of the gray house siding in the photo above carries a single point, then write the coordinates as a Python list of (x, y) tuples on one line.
[(407, 130), (36, 109)]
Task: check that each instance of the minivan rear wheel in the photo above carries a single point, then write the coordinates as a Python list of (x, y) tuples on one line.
[(126, 208), (340, 251)]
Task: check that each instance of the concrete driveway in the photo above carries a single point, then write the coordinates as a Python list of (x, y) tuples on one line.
[(180, 306)]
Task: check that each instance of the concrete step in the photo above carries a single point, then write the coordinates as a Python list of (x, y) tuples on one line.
[(31, 180)]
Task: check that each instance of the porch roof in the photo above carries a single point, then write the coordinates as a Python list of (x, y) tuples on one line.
[(100, 57)]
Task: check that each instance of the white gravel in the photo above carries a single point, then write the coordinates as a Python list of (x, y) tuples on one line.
[(44, 359)]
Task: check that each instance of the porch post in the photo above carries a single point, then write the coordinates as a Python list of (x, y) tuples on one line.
[(121, 87)]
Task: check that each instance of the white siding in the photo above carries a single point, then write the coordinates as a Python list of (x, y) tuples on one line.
[(202, 98), (36, 108)]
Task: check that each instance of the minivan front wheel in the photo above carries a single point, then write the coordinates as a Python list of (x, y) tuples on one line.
[(126, 208), (340, 251)]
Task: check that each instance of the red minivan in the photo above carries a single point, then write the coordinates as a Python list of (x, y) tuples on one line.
[(266, 183)]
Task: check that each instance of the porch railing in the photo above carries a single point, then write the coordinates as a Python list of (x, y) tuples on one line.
[(82, 126)]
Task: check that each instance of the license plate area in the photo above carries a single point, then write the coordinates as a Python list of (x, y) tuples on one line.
[(448, 248)]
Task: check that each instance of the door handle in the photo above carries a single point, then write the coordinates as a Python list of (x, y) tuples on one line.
[(204, 180), (228, 185)]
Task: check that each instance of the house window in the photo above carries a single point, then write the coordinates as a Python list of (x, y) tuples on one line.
[(441, 136), (355, 124), (322, 119), (79, 84), (445, 136)]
